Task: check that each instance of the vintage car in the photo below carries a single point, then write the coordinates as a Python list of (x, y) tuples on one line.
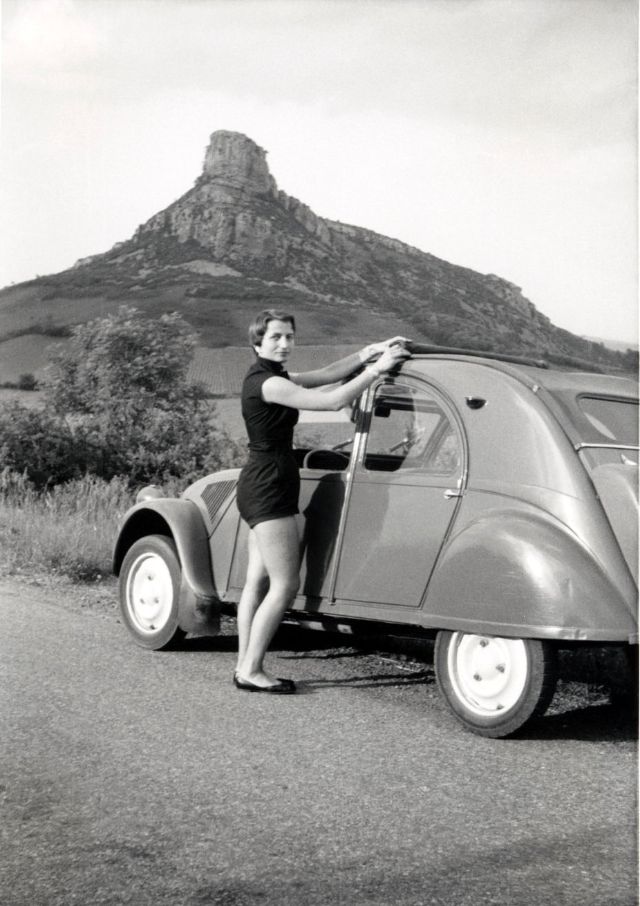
[(486, 501)]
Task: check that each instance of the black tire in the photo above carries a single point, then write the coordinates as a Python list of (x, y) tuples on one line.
[(493, 685), (149, 592), (625, 687)]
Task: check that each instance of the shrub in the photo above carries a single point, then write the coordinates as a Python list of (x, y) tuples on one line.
[(27, 381), (123, 359), (40, 445), (118, 403)]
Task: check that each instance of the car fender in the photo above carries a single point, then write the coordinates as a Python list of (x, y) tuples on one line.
[(179, 519), (514, 574), (617, 487)]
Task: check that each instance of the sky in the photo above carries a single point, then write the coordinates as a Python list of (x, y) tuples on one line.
[(500, 135)]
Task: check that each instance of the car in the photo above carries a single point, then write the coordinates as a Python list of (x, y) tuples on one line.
[(488, 502)]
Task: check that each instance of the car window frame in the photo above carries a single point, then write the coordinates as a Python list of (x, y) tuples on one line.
[(442, 399), (585, 416)]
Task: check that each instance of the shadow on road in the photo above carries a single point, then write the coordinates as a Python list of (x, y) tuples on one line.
[(594, 700), (604, 722), (368, 680), (574, 868)]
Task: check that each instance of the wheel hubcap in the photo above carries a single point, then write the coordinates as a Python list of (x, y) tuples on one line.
[(488, 674), (149, 593)]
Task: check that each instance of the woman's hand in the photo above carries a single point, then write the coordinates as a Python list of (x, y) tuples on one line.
[(392, 356), (374, 350)]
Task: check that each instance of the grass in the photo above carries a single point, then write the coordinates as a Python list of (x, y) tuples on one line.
[(66, 531)]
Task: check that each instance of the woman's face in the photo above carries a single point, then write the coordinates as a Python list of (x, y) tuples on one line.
[(277, 341)]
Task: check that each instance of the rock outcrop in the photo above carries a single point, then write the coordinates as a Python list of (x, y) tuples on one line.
[(235, 238), (235, 211), (236, 216)]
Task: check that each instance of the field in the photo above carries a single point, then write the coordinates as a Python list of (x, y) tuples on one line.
[(24, 397), (220, 371), (24, 355)]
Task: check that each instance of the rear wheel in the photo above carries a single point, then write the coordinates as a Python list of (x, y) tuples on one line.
[(494, 685), (149, 592)]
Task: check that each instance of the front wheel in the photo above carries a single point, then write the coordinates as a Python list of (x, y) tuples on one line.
[(149, 592), (494, 685)]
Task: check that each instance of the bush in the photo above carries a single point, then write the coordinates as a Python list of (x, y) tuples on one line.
[(123, 360), (40, 445), (118, 403), (27, 381)]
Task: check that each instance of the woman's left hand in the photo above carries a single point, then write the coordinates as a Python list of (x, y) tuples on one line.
[(373, 350)]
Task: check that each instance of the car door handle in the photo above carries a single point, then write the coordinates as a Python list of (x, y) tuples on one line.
[(451, 492)]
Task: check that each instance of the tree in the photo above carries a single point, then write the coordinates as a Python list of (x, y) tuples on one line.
[(27, 381), (39, 444), (121, 357), (122, 383)]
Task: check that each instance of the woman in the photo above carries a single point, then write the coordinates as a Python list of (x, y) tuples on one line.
[(269, 483)]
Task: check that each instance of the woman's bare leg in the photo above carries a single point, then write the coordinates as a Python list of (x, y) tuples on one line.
[(255, 588), (279, 546)]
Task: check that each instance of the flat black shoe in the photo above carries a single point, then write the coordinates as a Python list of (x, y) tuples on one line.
[(283, 687)]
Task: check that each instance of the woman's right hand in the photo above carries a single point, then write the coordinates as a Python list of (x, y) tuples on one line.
[(390, 358)]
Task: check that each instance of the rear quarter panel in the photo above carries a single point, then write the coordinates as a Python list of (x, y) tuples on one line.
[(531, 551), (512, 568)]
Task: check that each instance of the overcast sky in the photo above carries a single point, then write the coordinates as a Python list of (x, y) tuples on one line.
[(497, 134)]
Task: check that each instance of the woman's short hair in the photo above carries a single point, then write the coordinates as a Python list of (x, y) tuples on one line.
[(258, 326)]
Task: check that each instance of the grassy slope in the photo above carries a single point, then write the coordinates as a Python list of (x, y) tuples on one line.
[(24, 355), (219, 309)]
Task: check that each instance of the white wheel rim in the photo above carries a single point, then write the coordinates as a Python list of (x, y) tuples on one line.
[(488, 674), (149, 593)]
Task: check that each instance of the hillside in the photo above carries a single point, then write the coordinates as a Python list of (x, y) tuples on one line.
[(234, 244)]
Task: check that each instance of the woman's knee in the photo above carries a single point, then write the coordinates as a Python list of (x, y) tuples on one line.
[(256, 584), (294, 585), (285, 587)]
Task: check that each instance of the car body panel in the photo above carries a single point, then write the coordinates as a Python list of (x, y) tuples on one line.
[(179, 519), (390, 545), (520, 571), (511, 537), (617, 487)]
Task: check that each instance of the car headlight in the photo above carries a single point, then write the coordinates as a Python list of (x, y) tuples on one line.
[(150, 492)]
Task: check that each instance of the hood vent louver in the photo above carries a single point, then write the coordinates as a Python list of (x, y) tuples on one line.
[(215, 494)]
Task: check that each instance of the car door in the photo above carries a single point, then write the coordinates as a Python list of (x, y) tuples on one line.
[(403, 497), (332, 440)]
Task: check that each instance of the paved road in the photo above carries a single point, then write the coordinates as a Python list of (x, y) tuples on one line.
[(145, 778)]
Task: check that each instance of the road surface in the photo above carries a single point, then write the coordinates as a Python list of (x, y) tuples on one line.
[(136, 777)]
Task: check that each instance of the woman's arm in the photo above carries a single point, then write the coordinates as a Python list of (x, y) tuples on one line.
[(341, 369), (280, 390)]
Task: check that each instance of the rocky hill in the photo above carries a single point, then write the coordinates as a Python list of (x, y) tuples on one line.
[(235, 243)]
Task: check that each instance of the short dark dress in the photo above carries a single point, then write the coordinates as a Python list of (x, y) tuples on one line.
[(269, 483)]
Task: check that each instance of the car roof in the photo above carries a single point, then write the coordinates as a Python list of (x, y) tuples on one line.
[(539, 374)]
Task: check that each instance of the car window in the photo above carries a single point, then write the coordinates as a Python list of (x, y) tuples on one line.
[(610, 420), (329, 434), (410, 430)]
